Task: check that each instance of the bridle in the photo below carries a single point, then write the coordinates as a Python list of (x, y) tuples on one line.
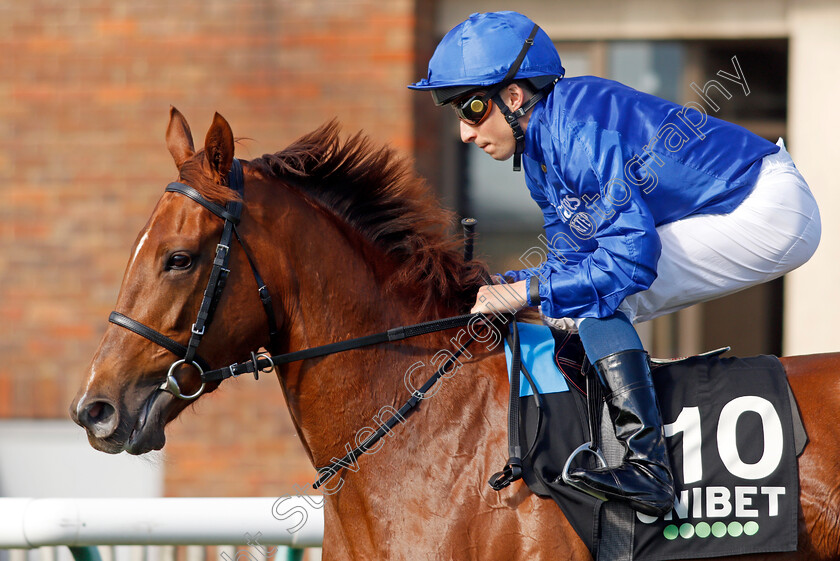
[(231, 214), (264, 362)]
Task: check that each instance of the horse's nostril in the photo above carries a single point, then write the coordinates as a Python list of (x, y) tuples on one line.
[(95, 410), (100, 418)]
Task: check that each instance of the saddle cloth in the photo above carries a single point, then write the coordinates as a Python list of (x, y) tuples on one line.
[(733, 433)]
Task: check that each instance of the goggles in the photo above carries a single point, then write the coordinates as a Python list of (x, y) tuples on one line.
[(474, 108)]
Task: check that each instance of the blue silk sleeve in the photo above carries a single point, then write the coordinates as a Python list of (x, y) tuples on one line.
[(602, 240)]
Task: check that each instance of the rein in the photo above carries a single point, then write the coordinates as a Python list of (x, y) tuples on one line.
[(231, 214)]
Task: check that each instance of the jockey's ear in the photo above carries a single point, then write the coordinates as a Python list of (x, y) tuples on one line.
[(218, 146), (179, 138), (514, 95)]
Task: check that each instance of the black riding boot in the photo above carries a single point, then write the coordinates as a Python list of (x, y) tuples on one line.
[(644, 477)]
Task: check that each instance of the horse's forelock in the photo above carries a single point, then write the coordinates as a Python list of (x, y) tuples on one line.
[(194, 173)]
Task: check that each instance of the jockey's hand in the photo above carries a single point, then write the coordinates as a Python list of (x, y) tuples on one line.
[(501, 298)]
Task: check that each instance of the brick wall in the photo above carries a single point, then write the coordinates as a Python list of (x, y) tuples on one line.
[(85, 88)]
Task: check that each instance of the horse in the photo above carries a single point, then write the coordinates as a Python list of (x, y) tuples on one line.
[(351, 241)]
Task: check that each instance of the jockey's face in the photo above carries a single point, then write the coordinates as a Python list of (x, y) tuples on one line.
[(493, 134)]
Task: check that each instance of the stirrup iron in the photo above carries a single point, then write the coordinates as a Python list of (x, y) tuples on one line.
[(585, 447)]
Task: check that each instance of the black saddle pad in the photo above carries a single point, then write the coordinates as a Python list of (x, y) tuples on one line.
[(730, 427)]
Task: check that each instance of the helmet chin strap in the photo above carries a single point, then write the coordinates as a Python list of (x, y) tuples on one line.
[(512, 118)]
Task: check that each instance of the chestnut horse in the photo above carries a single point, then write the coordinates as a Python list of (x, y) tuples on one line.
[(350, 242)]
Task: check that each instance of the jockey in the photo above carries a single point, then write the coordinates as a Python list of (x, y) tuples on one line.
[(649, 207)]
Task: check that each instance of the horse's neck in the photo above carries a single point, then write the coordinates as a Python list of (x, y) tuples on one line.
[(335, 290), (339, 294)]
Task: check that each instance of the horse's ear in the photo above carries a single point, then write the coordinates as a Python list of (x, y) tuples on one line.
[(179, 138), (219, 146)]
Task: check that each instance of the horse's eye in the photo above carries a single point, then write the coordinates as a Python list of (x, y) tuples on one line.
[(179, 261)]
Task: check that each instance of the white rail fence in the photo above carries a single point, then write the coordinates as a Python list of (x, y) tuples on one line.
[(270, 528)]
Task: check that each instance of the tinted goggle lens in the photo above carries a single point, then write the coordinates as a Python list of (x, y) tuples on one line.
[(474, 108)]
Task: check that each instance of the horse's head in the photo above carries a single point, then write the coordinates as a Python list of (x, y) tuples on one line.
[(121, 405)]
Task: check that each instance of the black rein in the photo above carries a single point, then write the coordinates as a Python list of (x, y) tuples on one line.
[(231, 214)]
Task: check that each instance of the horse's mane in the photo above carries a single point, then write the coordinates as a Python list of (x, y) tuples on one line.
[(378, 194)]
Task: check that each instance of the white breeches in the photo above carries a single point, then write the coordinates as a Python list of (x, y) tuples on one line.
[(775, 230)]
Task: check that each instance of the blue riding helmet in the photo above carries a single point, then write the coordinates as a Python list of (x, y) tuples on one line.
[(481, 50), (489, 51)]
